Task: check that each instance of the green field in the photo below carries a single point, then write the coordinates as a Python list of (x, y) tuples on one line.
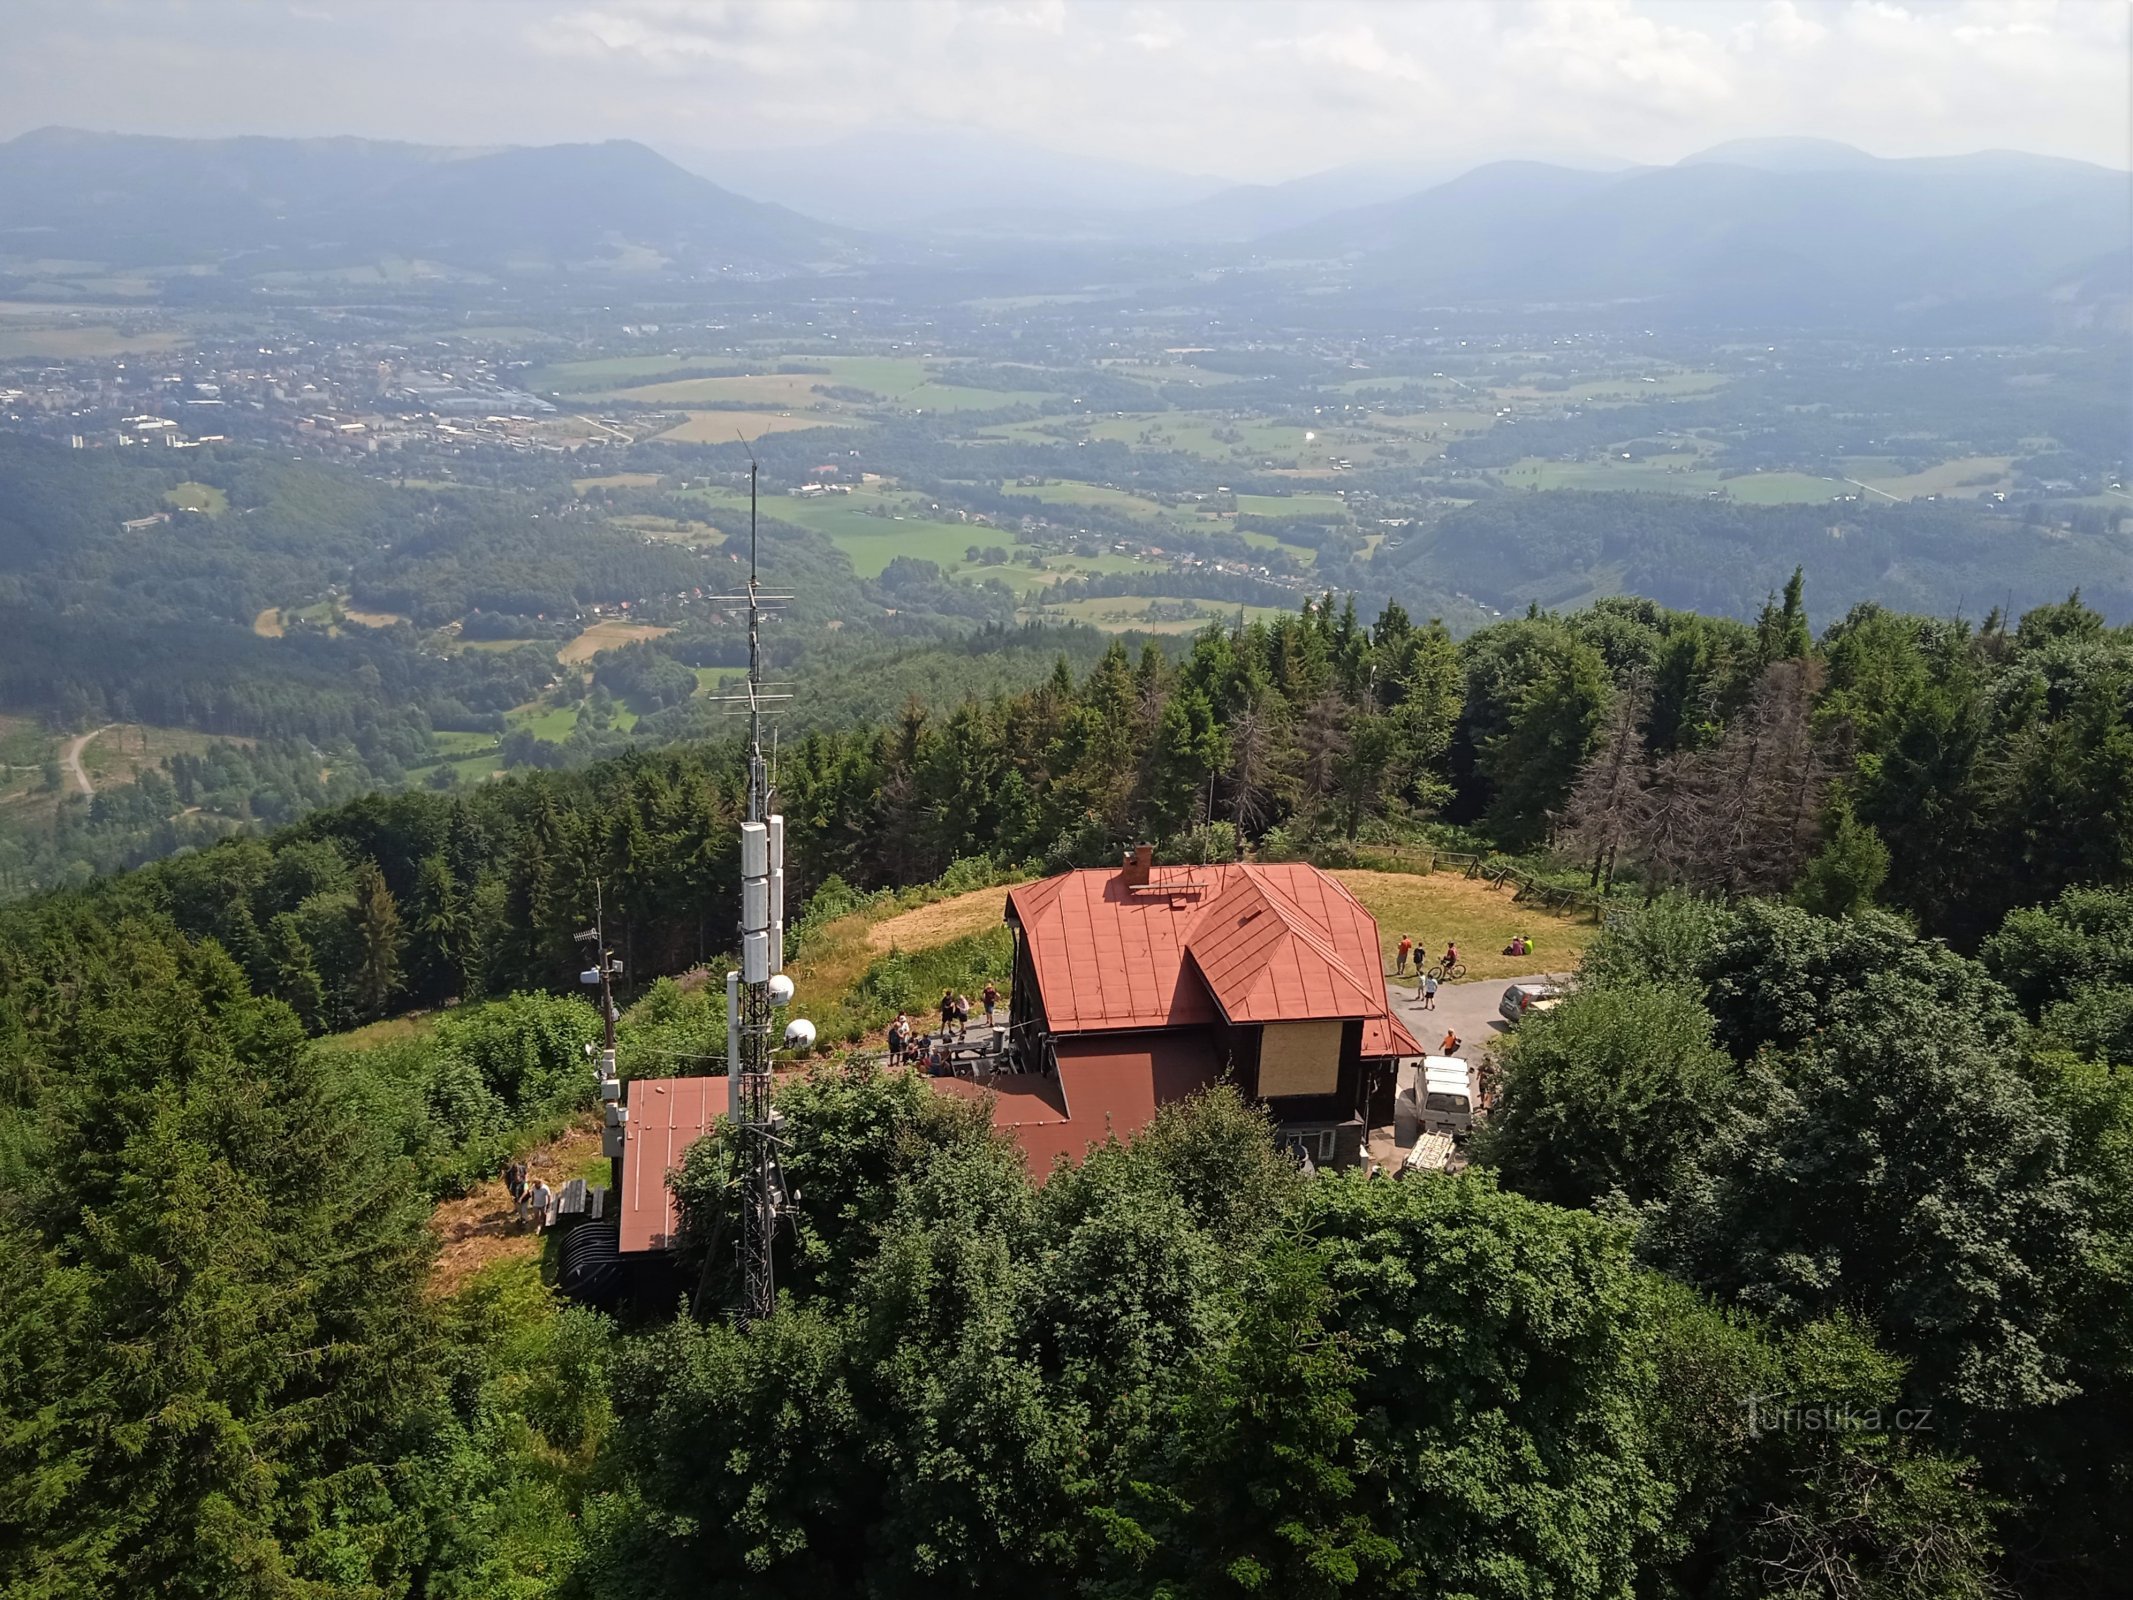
[(724, 427), (1067, 492), (82, 341), (902, 383), (1677, 474), (871, 541), (1331, 507), (1130, 613), (1947, 478), (203, 497)]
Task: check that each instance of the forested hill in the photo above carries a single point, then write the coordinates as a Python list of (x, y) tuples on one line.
[(1947, 772), (1941, 557), (1799, 1240)]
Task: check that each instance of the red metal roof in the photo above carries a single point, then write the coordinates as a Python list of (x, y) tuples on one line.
[(667, 1115), (1107, 1085), (1267, 943)]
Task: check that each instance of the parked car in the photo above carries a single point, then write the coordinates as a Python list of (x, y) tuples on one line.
[(1443, 1092), (1521, 1000)]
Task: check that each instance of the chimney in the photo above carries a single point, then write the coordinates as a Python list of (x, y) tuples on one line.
[(1138, 865)]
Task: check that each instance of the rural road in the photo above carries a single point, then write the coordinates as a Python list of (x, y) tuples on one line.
[(72, 759)]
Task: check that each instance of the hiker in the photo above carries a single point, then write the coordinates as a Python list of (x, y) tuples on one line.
[(962, 1016), (541, 1199), (947, 1011), (510, 1177), (1429, 991), (521, 1197), (899, 1039), (1450, 1047), (991, 997), (1407, 948)]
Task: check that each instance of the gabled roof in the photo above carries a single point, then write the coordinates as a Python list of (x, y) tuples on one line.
[(1251, 942), (1264, 961)]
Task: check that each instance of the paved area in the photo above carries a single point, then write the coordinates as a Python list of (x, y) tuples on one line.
[(1469, 1010)]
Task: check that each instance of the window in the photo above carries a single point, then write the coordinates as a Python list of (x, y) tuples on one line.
[(1316, 1143)]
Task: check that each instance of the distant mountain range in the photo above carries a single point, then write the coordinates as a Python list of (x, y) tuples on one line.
[(1770, 231), (917, 178), (323, 203)]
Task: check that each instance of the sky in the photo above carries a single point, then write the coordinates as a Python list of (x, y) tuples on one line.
[(1249, 90)]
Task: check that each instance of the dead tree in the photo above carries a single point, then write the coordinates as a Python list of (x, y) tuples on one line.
[(1600, 815)]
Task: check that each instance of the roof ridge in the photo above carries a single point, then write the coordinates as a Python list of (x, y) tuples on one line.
[(1301, 923)]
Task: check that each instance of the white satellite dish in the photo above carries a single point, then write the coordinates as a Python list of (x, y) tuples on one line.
[(799, 1034), (780, 990)]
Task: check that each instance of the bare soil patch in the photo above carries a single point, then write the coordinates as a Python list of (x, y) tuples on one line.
[(607, 635), (479, 1229), (268, 623)]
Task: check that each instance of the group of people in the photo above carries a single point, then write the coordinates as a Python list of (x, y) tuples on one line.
[(1426, 977), (530, 1196), (906, 1044), (1520, 945)]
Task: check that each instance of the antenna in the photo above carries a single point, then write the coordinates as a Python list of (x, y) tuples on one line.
[(603, 971), (759, 987)]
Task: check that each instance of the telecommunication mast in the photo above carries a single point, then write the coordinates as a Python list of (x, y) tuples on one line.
[(760, 987)]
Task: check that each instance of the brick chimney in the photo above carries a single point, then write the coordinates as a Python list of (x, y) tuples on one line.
[(1137, 866)]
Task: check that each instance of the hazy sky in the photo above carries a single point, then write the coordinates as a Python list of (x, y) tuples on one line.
[(1249, 89)]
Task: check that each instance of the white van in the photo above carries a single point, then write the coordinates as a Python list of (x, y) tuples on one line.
[(1444, 1096)]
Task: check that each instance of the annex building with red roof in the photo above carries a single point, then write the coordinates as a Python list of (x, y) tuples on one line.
[(1137, 985)]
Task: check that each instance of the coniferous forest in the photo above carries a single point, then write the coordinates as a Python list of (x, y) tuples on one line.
[(1797, 1259)]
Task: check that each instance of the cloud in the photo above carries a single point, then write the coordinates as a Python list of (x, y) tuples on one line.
[(1251, 89)]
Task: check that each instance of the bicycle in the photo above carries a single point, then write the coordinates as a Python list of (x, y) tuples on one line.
[(1445, 974)]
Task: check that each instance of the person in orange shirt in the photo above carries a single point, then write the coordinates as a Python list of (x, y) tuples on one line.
[(1407, 948), (1450, 1047)]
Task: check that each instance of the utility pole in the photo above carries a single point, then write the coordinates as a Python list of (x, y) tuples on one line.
[(603, 972)]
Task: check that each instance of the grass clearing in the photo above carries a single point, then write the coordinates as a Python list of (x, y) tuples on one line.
[(1968, 476), (1437, 907), (607, 634), (724, 427), (1309, 503), (617, 480), (120, 754), (391, 1030), (268, 623), (480, 1229), (204, 498), (84, 342), (1069, 492), (980, 911), (873, 525), (1679, 473), (1155, 613)]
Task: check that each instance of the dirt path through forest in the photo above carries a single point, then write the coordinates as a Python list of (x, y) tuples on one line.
[(72, 759)]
